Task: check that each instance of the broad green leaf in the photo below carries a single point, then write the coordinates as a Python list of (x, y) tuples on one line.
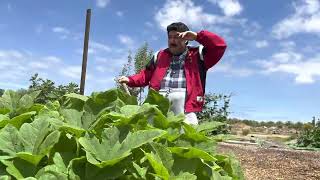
[(27, 100), (141, 171), (157, 99), (209, 126), (172, 134), (107, 101), (9, 101), (76, 122), (4, 120), (22, 118), (74, 101), (190, 152), (10, 140), (20, 168), (182, 164), (15, 103), (184, 176), (58, 170), (77, 96), (36, 107), (192, 134), (79, 168), (232, 166), (164, 154), (53, 106), (111, 150), (129, 110), (73, 123), (5, 177), (158, 167), (31, 143), (3, 171)]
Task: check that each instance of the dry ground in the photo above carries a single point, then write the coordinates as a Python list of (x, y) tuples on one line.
[(275, 163)]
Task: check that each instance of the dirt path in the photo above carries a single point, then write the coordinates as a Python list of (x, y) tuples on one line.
[(272, 163)]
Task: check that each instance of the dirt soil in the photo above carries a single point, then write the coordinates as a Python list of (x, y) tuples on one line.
[(275, 163)]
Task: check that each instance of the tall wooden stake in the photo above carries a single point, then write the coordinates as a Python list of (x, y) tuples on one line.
[(85, 52)]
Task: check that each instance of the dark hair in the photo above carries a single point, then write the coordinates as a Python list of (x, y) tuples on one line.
[(177, 26)]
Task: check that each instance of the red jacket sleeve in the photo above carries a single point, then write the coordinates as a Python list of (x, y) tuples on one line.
[(214, 47), (141, 79)]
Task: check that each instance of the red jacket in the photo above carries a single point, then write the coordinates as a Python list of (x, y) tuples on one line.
[(195, 69)]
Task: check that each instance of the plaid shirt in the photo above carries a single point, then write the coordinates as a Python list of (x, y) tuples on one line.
[(175, 77)]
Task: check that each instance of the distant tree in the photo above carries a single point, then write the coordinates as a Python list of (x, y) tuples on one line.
[(313, 121), (50, 92), (216, 108), (279, 124), (127, 71), (270, 124), (298, 126), (141, 58), (1, 92), (288, 124)]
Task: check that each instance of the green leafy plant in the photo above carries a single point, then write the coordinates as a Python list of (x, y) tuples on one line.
[(107, 136), (309, 138)]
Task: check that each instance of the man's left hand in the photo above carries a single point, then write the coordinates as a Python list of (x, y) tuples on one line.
[(188, 35)]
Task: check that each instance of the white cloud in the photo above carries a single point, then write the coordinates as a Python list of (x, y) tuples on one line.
[(96, 46), (306, 70), (102, 3), (126, 40), (39, 28), (60, 30), (149, 24), (288, 44), (10, 85), (63, 32), (185, 11), (229, 7), (306, 19), (101, 69), (119, 13), (195, 17), (9, 7), (262, 44), (38, 65), (52, 59), (250, 28), (231, 70), (11, 54), (237, 52), (17, 66), (71, 72)]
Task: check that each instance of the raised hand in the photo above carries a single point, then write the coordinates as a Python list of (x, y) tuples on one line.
[(188, 35)]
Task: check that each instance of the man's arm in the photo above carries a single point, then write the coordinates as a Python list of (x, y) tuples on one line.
[(141, 79), (214, 47)]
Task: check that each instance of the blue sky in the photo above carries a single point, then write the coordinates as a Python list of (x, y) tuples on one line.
[(271, 66)]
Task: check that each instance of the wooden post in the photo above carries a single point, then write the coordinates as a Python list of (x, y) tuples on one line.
[(85, 52)]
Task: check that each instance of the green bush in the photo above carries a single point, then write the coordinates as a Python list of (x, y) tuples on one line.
[(309, 138)]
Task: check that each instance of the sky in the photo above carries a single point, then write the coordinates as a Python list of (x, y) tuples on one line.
[(271, 66)]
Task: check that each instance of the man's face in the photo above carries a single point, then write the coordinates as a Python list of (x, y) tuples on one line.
[(175, 43)]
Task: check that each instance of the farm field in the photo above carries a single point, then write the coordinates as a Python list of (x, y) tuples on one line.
[(274, 163)]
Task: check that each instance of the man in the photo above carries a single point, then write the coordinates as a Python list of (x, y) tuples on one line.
[(179, 72)]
